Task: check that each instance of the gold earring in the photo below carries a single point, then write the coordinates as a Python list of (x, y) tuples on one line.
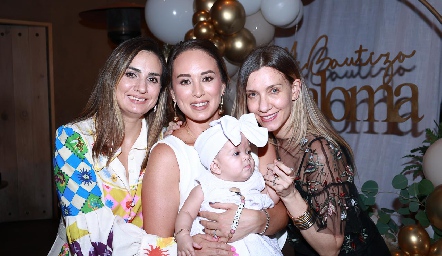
[(221, 110), (175, 118)]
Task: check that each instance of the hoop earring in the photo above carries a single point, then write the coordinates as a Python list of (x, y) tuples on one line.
[(175, 118), (155, 108), (221, 110)]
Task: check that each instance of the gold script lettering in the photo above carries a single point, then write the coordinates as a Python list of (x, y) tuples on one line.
[(318, 63)]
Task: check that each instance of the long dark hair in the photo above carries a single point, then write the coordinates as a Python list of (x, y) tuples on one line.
[(102, 104), (194, 44)]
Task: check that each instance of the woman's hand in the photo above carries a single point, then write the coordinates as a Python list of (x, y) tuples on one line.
[(220, 223), (280, 178), (211, 246)]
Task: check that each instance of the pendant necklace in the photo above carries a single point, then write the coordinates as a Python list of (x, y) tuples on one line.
[(190, 133)]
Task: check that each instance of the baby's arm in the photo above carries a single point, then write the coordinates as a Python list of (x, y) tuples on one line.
[(184, 221), (271, 193)]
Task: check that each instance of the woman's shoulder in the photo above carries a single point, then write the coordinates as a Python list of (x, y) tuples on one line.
[(318, 143), (84, 127), (170, 146)]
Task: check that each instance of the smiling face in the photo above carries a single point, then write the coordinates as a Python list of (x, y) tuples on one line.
[(197, 86), (137, 91), (269, 97), (234, 163)]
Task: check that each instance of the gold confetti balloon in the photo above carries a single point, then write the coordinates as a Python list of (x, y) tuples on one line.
[(189, 35), (203, 30), (433, 207), (219, 43), (436, 248), (228, 16), (414, 240), (203, 5), (200, 16), (398, 253), (239, 45)]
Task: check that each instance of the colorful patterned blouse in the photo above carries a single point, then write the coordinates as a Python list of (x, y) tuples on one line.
[(101, 205)]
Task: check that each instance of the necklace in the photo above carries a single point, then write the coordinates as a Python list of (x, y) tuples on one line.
[(190, 132)]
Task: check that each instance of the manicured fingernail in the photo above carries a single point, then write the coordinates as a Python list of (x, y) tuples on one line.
[(233, 249), (235, 254)]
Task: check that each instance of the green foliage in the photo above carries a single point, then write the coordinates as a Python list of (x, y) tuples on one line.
[(412, 195), (415, 163)]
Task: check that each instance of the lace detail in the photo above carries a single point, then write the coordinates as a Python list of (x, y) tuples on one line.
[(325, 177)]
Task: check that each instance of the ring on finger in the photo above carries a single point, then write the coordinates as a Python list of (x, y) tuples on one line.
[(274, 180), (214, 234)]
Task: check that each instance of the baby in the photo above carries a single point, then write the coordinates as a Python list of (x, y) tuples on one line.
[(225, 150)]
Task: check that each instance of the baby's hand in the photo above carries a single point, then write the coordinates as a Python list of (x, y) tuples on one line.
[(172, 127), (186, 245)]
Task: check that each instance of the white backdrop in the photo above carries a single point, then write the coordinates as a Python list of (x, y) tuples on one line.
[(399, 44)]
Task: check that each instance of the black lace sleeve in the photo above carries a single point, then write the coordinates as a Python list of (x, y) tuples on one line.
[(325, 180)]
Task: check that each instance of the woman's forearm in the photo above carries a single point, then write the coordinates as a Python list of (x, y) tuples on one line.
[(278, 219), (324, 242)]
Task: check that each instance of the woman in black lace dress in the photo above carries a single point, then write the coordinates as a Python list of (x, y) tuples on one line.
[(315, 170)]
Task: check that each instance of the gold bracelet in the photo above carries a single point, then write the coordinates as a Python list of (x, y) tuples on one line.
[(267, 222), (305, 221)]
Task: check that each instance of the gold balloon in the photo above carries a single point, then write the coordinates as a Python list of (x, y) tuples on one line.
[(414, 240), (398, 253), (204, 30), (239, 45), (436, 249), (200, 16), (203, 5), (433, 207), (219, 43), (228, 16), (189, 35)]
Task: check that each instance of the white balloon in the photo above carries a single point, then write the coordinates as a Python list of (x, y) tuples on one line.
[(251, 6), (169, 20), (260, 28), (432, 163), (298, 18), (280, 12), (231, 68)]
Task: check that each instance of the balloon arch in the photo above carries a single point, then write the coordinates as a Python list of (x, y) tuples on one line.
[(236, 27)]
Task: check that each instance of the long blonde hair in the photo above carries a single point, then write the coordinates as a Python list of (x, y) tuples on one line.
[(305, 116)]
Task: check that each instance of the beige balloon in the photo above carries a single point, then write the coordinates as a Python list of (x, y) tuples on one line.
[(414, 240), (239, 45), (436, 248), (203, 5), (204, 30), (433, 207), (228, 16), (432, 163)]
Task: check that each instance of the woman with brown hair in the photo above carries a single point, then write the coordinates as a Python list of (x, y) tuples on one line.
[(100, 158)]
